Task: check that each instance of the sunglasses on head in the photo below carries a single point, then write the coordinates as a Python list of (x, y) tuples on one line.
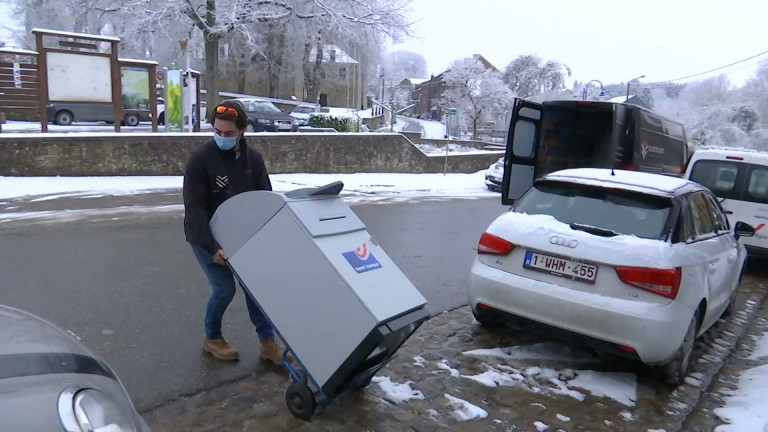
[(221, 109)]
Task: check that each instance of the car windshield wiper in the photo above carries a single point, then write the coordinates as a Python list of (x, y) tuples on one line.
[(603, 232)]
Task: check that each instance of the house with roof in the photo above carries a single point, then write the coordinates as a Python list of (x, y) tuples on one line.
[(430, 92), (342, 79)]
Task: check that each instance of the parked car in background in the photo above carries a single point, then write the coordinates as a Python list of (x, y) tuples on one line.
[(612, 259), (495, 175), (739, 178), (264, 116), (161, 112), (49, 381), (65, 114), (302, 113)]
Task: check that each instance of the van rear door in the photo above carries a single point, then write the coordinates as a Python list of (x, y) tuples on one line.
[(522, 150)]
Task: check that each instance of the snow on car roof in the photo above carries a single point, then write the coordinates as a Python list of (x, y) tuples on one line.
[(650, 183), (739, 151)]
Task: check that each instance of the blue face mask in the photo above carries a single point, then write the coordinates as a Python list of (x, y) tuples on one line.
[(225, 143)]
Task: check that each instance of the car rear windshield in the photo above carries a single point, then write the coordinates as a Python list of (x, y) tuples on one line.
[(622, 211)]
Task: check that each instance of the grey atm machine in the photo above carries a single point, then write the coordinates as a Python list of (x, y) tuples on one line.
[(336, 299)]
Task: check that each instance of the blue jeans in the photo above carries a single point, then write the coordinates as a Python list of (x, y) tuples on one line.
[(222, 283)]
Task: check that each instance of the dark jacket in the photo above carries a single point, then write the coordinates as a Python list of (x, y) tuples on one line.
[(212, 176)]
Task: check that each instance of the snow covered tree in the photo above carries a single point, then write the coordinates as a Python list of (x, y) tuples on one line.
[(528, 75), (217, 19), (478, 93), (402, 64), (81, 16)]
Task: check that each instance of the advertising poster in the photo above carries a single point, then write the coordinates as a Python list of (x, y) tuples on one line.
[(135, 83), (173, 104)]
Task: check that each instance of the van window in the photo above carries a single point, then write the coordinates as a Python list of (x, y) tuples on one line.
[(721, 177), (757, 188)]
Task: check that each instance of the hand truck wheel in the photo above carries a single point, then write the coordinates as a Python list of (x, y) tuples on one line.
[(300, 400)]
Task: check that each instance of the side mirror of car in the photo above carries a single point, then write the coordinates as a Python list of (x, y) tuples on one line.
[(743, 230)]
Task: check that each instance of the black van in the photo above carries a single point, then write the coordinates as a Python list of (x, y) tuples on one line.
[(557, 135)]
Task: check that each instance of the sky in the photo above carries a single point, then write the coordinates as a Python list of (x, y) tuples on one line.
[(609, 41)]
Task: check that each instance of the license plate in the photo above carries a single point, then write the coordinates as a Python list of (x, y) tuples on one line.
[(560, 267), (284, 126)]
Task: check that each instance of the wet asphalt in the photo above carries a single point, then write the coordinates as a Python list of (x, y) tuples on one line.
[(129, 286)]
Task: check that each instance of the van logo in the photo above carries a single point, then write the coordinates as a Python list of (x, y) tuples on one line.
[(562, 241), (645, 148)]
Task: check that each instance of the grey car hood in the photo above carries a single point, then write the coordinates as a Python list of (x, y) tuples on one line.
[(24, 333)]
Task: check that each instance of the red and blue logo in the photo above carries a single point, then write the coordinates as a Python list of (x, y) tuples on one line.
[(362, 260)]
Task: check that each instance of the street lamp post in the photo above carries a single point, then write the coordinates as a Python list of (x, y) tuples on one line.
[(641, 76), (381, 75), (584, 93)]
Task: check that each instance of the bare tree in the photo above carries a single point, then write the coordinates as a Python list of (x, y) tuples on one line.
[(479, 93)]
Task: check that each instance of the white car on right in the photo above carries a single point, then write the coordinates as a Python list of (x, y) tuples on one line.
[(630, 263), (739, 179)]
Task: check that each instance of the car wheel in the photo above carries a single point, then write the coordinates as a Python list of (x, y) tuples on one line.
[(63, 118), (131, 120), (675, 370), (109, 122), (249, 128), (161, 119)]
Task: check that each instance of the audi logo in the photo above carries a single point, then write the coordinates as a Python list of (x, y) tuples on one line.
[(562, 241)]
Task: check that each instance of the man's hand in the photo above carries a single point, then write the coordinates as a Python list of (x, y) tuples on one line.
[(220, 257)]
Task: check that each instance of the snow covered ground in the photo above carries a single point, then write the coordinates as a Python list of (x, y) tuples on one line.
[(579, 384), (745, 407), (357, 187)]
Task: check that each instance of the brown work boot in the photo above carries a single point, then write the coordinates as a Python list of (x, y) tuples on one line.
[(273, 351), (220, 349)]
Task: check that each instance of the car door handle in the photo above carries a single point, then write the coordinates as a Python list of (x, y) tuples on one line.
[(732, 257), (711, 268)]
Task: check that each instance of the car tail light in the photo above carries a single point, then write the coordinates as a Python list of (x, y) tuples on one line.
[(664, 282), (626, 348), (492, 245)]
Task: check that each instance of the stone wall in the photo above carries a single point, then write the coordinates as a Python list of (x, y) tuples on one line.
[(167, 153)]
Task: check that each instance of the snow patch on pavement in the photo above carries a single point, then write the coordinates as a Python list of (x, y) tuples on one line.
[(554, 351), (744, 408), (398, 393), (761, 348), (463, 410), (619, 386)]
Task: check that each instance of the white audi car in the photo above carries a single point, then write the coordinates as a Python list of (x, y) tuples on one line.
[(632, 264)]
